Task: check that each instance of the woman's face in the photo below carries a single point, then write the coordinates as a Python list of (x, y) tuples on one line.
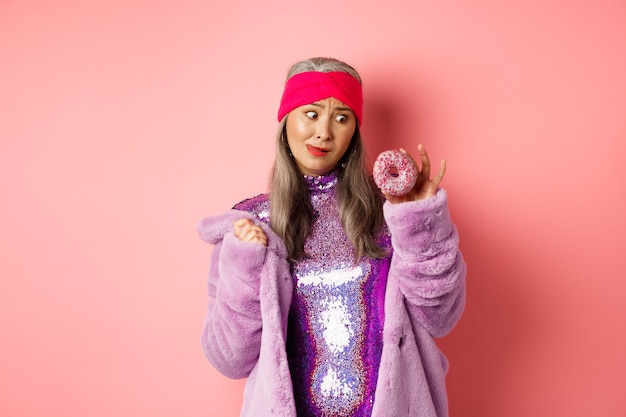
[(319, 134)]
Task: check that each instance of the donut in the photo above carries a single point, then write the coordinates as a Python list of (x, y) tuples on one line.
[(394, 172)]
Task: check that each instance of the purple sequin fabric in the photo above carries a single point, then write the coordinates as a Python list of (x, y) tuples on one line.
[(334, 336)]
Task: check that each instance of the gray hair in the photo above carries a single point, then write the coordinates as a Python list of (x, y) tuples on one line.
[(321, 64)]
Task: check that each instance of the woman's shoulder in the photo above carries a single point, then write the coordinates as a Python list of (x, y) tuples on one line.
[(257, 205)]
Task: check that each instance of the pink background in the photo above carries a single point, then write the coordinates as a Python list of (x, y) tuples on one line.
[(122, 123)]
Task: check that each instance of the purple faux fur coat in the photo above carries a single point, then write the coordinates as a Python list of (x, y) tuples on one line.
[(250, 290)]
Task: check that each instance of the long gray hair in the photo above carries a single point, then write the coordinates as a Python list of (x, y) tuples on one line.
[(360, 202)]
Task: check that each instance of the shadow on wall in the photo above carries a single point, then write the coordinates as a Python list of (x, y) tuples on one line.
[(391, 119), (489, 337), (398, 112), (382, 131)]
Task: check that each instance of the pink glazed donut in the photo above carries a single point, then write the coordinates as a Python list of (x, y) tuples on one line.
[(394, 173)]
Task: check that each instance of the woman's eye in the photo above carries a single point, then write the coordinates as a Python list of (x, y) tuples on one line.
[(311, 114), (341, 118)]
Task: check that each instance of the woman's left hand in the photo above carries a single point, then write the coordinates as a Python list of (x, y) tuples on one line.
[(425, 187)]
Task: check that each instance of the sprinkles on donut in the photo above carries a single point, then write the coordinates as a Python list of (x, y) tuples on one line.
[(394, 172)]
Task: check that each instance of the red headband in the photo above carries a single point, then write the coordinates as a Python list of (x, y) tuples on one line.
[(309, 87)]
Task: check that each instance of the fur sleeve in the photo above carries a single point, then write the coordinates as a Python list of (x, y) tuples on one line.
[(231, 336), (427, 262)]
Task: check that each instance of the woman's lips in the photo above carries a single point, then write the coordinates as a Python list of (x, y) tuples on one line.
[(315, 151)]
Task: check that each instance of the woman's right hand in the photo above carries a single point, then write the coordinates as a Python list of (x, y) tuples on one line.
[(247, 231)]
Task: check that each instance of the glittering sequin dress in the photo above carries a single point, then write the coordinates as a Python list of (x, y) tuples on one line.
[(334, 338)]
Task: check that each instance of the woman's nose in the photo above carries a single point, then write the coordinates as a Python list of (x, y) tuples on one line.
[(324, 130)]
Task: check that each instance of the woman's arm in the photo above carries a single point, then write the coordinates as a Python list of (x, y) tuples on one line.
[(231, 337), (427, 261)]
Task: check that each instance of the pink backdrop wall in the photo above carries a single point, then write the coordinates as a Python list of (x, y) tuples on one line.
[(123, 123)]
